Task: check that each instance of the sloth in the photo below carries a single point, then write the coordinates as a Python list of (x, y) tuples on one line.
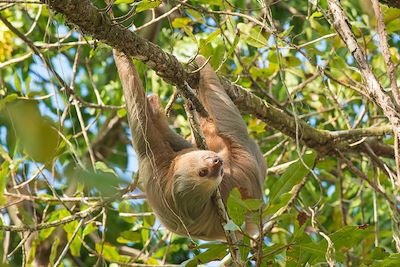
[(179, 179)]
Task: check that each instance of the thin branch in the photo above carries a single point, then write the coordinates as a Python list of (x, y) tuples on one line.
[(391, 71), (65, 250)]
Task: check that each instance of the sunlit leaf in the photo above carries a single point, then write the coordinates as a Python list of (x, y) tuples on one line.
[(76, 243), (89, 228), (214, 252), (236, 210), (4, 168), (147, 4), (8, 99), (129, 237), (38, 134), (53, 252), (181, 22), (392, 260), (103, 182), (292, 176), (117, 2)]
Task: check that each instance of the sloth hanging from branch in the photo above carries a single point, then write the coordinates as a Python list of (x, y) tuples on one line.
[(180, 179)]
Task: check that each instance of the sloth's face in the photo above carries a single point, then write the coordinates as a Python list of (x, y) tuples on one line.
[(201, 169)]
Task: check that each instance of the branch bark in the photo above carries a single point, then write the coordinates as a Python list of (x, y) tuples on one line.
[(391, 3)]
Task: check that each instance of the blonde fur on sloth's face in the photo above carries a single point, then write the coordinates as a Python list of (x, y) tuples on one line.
[(197, 170)]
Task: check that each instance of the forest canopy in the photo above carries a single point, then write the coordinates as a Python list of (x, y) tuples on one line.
[(317, 83)]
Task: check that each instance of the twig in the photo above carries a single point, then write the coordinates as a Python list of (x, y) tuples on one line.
[(78, 111), (65, 250), (155, 20), (171, 102)]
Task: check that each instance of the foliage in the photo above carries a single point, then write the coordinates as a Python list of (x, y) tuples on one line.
[(66, 157)]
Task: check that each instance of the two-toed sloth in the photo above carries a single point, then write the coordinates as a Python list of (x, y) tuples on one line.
[(179, 179)]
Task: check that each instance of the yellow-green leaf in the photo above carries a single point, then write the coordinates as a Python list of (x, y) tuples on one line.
[(147, 4)]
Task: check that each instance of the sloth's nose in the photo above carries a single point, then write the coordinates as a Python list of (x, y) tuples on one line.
[(217, 161), (214, 161)]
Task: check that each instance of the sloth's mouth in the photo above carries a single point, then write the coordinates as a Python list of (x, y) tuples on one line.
[(216, 173)]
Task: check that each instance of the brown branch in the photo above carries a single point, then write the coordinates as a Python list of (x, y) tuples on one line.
[(391, 3), (391, 73)]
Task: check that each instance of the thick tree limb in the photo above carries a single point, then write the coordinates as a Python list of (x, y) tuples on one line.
[(90, 21), (391, 3)]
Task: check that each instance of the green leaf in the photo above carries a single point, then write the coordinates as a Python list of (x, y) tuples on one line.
[(110, 252), (145, 232), (129, 237), (215, 252), (392, 261), (349, 236), (212, 3), (273, 250), (53, 252), (316, 14), (121, 113), (234, 45), (27, 84), (253, 36), (17, 82), (3, 180), (105, 183), (101, 166), (256, 39), (292, 176), (127, 207), (246, 248), (235, 207), (181, 22), (188, 30), (293, 61), (54, 216), (76, 243), (231, 226), (379, 253), (212, 36), (253, 204), (8, 99), (89, 228), (117, 2), (194, 13), (147, 4), (42, 139), (1, 232), (107, 250)]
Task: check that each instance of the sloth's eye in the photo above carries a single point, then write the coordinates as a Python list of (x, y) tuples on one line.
[(203, 172)]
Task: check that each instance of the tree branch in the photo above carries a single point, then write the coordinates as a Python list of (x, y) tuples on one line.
[(391, 3)]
